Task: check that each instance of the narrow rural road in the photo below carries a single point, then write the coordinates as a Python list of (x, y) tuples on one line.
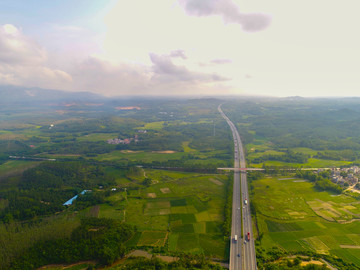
[(242, 246)]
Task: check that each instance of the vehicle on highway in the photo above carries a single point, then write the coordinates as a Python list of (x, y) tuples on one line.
[(248, 236), (245, 201), (235, 238), (239, 255)]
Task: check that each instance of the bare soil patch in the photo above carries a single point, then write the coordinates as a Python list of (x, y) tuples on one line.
[(129, 151), (311, 262), (165, 190), (164, 212), (151, 195), (349, 246)]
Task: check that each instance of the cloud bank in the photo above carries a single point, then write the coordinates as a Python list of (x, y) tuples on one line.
[(24, 62), (163, 77), (229, 11)]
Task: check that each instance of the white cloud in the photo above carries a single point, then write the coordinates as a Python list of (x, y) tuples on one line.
[(229, 11), (221, 61), (192, 46), (15, 48), (178, 53), (24, 62), (163, 77), (100, 76), (166, 70)]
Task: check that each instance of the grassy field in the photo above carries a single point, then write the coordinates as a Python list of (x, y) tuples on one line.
[(93, 137), (13, 167), (312, 163), (182, 209), (153, 125), (261, 147), (187, 148), (139, 156), (292, 215)]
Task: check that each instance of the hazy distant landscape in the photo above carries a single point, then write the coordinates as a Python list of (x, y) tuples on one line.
[(151, 168)]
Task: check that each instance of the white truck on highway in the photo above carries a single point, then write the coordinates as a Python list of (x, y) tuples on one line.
[(245, 201), (235, 238)]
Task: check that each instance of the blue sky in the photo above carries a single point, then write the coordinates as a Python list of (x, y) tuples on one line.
[(33, 13), (174, 47)]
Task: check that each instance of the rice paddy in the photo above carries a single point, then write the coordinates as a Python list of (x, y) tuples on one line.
[(294, 216), (184, 210)]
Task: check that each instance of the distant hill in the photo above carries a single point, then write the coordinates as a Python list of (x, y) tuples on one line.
[(31, 96)]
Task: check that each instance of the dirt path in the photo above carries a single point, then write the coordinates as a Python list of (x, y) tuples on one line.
[(349, 246), (64, 267)]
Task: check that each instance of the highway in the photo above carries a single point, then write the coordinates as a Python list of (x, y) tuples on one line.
[(242, 251)]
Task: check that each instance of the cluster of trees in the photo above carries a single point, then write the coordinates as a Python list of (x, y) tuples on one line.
[(326, 184), (206, 136), (288, 156), (43, 190), (226, 227), (13, 147), (321, 124), (63, 137), (186, 165), (187, 162), (99, 125), (3, 158), (87, 148), (90, 198), (321, 180), (277, 259), (27, 204), (95, 239), (80, 174), (156, 141), (186, 261), (347, 154)]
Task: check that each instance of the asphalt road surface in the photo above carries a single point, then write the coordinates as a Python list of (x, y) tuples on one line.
[(242, 250)]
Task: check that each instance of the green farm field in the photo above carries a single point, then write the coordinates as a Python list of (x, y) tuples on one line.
[(153, 125), (292, 215), (182, 209), (261, 147), (93, 137), (139, 156), (312, 163)]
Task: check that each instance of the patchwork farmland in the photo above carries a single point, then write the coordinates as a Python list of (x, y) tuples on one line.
[(294, 216), (180, 211)]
